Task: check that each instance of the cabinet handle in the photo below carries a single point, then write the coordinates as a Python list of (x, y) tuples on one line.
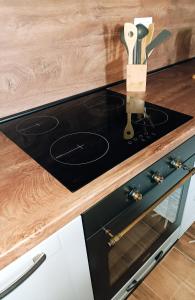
[(37, 261)]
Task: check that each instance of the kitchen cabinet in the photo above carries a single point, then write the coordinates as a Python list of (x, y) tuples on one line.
[(64, 274)]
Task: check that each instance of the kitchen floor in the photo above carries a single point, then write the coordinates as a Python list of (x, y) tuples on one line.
[(174, 277)]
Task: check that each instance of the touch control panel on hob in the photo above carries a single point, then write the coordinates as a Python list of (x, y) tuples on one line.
[(78, 140)]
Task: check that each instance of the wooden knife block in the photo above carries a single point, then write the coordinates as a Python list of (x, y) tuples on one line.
[(136, 78)]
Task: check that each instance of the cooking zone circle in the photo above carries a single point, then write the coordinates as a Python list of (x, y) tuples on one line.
[(80, 148), (153, 118), (37, 125), (104, 103)]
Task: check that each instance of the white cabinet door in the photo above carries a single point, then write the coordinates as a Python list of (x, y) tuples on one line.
[(189, 211), (63, 275)]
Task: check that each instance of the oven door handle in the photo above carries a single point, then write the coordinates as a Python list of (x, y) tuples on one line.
[(115, 238)]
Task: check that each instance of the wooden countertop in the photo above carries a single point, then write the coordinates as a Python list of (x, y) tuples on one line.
[(33, 204)]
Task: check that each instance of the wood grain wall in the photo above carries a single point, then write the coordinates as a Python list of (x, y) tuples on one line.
[(50, 49)]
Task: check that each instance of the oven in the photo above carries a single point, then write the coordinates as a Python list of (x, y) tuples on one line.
[(130, 230)]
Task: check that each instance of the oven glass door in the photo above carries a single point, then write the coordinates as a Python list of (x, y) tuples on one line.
[(112, 263), (141, 240)]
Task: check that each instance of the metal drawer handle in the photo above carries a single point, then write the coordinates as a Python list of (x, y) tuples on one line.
[(114, 239), (37, 261)]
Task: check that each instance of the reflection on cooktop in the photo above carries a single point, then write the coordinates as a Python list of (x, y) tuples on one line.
[(78, 140), (153, 117), (104, 103)]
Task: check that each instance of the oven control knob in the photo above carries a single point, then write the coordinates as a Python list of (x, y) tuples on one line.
[(135, 194), (176, 163), (157, 178)]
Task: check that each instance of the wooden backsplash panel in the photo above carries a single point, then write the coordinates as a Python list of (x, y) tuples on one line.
[(51, 49)]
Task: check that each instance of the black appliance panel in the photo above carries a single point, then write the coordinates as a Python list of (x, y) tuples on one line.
[(79, 140), (117, 202), (111, 266)]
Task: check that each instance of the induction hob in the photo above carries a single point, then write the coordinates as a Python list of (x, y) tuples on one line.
[(78, 140)]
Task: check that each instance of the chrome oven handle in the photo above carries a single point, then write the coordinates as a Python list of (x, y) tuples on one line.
[(115, 238), (37, 261)]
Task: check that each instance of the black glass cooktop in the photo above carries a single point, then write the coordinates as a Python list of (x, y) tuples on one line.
[(79, 140)]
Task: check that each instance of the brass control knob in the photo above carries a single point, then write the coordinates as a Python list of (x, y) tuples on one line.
[(176, 163), (157, 178), (135, 194)]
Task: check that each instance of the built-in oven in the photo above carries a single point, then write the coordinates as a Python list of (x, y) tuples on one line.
[(130, 230)]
